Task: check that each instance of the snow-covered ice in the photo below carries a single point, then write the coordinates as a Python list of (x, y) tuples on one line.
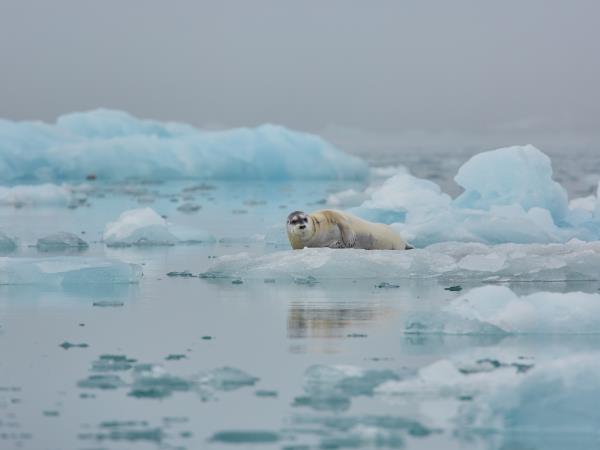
[(144, 226), (113, 145), (497, 309), (574, 260), (67, 271)]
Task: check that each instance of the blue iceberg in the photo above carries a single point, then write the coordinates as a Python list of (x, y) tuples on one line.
[(509, 196), (113, 145)]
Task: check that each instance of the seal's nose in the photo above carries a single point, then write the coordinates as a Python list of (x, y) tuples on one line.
[(302, 227)]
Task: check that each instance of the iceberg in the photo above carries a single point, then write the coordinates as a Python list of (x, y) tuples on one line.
[(498, 310), (113, 145), (143, 226), (509, 196), (61, 241), (575, 260), (67, 271)]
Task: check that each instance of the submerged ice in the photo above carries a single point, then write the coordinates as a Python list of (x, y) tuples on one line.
[(113, 145), (67, 271)]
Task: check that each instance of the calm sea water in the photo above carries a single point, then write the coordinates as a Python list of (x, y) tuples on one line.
[(189, 363)]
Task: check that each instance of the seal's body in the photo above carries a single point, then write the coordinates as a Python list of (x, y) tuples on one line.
[(336, 229)]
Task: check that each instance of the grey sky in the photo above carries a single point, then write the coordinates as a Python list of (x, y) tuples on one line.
[(382, 66)]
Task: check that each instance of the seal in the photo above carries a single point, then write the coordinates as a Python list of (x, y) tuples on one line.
[(336, 229)]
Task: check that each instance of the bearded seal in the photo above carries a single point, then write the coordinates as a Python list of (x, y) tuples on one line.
[(336, 229)]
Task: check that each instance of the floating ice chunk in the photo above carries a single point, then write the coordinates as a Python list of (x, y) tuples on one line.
[(61, 241), (497, 309), (575, 260), (145, 227), (550, 396), (67, 270), (7, 244), (152, 381), (138, 227), (114, 145), (519, 175), (26, 195)]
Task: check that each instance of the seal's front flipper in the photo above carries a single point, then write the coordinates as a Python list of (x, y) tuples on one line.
[(348, 235)]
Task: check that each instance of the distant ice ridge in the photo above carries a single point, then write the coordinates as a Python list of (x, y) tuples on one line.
[(143, 226), (67, 271), (509, 196), (575, 260), (504, 393), (498, 310), (26, 195), (113, 145)]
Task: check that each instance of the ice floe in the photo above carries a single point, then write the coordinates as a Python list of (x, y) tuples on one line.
[(67, 271), (113, 145), (509, 196), (144, 226), (497, 309), (575, 260)]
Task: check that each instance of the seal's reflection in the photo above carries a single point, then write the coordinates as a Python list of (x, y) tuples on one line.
[(330, 320)]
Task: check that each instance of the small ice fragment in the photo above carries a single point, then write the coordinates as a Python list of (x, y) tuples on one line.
[(189, 207), (184, 274), (112, 363), (456, 288), (386, 285), (245, 437), (61, 241), (108, 304), (175, 357), (67, 345), (101, 382)]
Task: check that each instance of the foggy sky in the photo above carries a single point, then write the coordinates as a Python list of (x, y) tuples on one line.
[(382, 66)]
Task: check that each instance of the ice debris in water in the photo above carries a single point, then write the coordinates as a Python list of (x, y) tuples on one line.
[(7, 244), (33, 195), (152, 381), (144, 226), (112, 363), (509, 196), (61, 241), (67, 271), (574, 260), (559, 394), (497, 309), (228, 379), (114, 145), (331, 388)]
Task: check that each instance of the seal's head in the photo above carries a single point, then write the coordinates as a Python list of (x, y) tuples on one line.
[(300, 225)]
